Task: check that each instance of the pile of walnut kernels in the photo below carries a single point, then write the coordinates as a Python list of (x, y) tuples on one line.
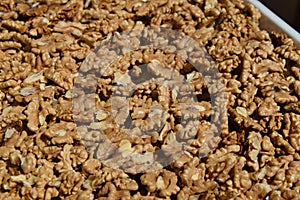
[(44, 42)]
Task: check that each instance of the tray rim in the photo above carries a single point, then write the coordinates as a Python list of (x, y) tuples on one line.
[(277, 24)]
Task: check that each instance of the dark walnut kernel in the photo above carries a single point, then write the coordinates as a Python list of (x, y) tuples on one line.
[(44, 155)]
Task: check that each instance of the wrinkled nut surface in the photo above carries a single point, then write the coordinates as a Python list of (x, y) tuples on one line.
[(43, 155)]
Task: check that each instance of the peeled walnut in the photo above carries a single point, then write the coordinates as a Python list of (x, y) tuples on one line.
[(292, 128), (91, 166), (248, 122), (242, 178), (28, 163), (71, 182), (284, 144), (221, 162), (267, 66), (62, 77), (122, 107), (126, 184), (42, 154), (5, 152), (165, 182), (51, 193), (268, 107), (81, 195), (283, 98), (110, 190), (268, 150), (193, 175), (33, 114), (259, 190), (65, 157), (254, 140), (297, 87), (78, 155), (12, 114)]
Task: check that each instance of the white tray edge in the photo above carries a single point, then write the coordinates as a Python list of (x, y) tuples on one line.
[(272, 22)]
